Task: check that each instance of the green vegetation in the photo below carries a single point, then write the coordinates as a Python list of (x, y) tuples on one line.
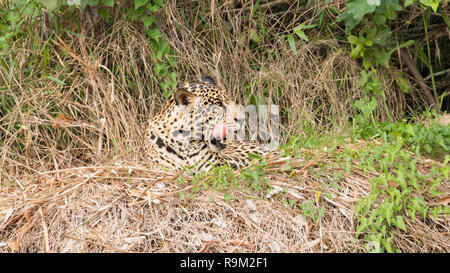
[(164, 64), (402, 188)]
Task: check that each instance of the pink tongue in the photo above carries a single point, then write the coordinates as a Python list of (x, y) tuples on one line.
[(220, 130)]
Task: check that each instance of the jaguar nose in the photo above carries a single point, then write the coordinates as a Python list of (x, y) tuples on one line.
[(220, 130)]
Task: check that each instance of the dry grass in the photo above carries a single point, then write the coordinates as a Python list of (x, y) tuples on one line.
[(128, 208), (106, 114), (72, 178)]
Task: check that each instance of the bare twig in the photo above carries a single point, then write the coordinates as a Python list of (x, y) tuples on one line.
[(437, 74), (45, 229)]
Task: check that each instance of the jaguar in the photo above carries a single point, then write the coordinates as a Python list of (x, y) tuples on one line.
[(191, 130)]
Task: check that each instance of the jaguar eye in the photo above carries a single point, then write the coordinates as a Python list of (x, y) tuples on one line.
[(178, 132)]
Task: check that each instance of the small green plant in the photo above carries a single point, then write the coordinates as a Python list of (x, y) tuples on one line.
[(299, 31), (225, 178), (310, 210), (433, 139), (372, 46), (364, 124), (164, 64), (254, 175), (398, 192), (222, 178), (373, 41), (12, 19)]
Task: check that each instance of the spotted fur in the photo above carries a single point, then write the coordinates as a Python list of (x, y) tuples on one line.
[(181, 134)]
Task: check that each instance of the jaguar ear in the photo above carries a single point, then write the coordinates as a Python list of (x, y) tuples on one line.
[(183, 97), (209, 79)]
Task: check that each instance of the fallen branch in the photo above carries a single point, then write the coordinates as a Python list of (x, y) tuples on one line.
[(437, 74), (420, 81)]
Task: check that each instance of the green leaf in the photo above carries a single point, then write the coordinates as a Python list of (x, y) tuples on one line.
[(381, 37), (374, 2), (353, 39), (108, 3), (83, 4), (390, 13), (368, 42), (152, 8), (292, 44), (93, 3), (173, 76), (356, 9), (364, 78), (139, 3), (350, 21), (147, 20), (50, 4), (409, 2), (388, 6), (400, 223), (366, 63), (403, 85), (301, 34), (159, 3), (379, 19), (55, 79), (382, 56), (445, 18), (430, 3), (362, 225), (154, 33), (405, 44), (137, 13), (255, 37), (162, 47), (105, 14), (303, 26), (355, 51), (310, 26), (371, 33), (172, 62), (388, 210), (412, 213)]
